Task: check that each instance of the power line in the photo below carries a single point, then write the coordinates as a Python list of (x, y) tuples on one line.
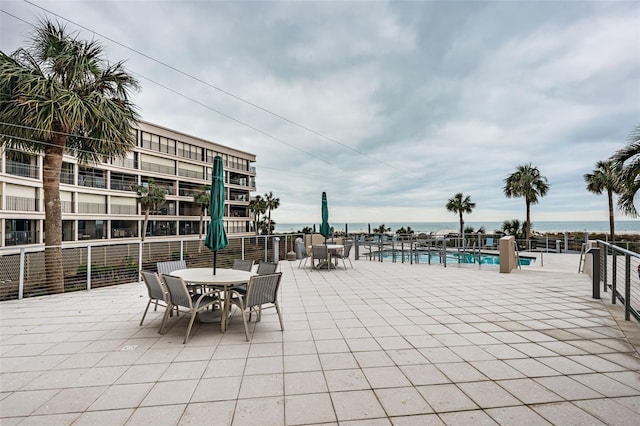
[(226, 92)]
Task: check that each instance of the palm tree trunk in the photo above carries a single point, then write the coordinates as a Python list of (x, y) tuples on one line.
[(144, 224), (53, 217), (611, 219), (528, 234), (461, 226), (201, 221)]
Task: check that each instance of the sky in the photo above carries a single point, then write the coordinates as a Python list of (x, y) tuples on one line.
[(391, 107)]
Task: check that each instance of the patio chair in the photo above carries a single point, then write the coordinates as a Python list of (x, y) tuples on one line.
[(344, 255), (261, 290), (321, 254), (242, 265), (157, 293), (303, 259), (165, 268), (265, 268), (179, 296)]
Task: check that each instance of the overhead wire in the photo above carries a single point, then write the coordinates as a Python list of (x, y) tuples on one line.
[(224, 91), (227, 116)]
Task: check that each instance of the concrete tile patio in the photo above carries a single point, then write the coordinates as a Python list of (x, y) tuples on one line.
[(379, 344)]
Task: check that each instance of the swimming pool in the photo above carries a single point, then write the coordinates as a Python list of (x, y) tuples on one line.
[(423, 256)]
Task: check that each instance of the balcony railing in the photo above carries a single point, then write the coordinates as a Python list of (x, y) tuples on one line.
[(95, 208), (91, 181), (22, 204), (123, 186), (67, 206), (191, 174), (158, 168), (21, 169), (128, 163), (123, 209), (66, 178), (15, 238)]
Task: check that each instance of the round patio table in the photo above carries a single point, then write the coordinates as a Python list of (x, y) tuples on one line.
[(224, 280)]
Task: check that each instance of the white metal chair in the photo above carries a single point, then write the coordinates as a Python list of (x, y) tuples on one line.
[(179, 295), (261, 290)]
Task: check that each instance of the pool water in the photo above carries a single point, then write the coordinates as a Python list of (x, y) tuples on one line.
[(452, 257)]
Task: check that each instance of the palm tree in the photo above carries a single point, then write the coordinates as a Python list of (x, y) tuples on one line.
[(628, 160), (381, 229), (271, 203), (150, 196), (526, 182), (59, 96), (513, 227), (257, 207), (201, 198), (605, 177), (460, 204)]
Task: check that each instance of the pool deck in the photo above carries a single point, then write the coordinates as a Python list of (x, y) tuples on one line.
[(379, 344)]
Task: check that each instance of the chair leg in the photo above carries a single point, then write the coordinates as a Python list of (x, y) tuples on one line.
[(279, 315), (186, 336), (145, 311), (165, 317), (156, 307), (246, 327)]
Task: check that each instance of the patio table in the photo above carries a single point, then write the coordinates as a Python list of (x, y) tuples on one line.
[(224, 280)]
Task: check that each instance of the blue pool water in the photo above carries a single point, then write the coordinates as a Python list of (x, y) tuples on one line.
[(452, 257)]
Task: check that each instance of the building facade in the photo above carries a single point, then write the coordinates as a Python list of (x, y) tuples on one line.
[(100, 201)]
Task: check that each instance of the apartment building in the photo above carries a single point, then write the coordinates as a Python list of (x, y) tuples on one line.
[(100, 201)]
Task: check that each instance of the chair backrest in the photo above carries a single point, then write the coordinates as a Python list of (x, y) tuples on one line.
[(489, 242), (347, 250), (265, 268), (263, 289), (154, 285), (242, 265), (320, 252), (178, 291), (168, 267)]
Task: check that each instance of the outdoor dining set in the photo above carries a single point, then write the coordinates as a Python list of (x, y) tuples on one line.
[(209, 296)]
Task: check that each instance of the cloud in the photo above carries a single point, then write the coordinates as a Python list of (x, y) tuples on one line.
[(410, 102)]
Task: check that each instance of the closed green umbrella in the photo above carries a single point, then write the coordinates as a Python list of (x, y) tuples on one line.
[(216, 236), (325, 229)]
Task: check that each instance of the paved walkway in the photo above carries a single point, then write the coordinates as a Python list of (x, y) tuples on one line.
[(378, 344)]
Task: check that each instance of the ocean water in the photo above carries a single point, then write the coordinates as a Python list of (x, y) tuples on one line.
[(622, 226)]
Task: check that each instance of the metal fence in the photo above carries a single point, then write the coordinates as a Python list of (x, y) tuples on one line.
[(620, 274), (107, 263)]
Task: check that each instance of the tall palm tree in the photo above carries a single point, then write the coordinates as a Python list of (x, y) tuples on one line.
[(257, 207), (460, 204), (150, 196), (201, 198), (271, 203), (605, 178), (628, 160), (59, 96), (526, 182)]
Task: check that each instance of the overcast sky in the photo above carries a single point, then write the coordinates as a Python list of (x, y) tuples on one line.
[(390, 107)]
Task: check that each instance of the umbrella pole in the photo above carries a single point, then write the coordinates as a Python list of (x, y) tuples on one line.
[(214, 261)]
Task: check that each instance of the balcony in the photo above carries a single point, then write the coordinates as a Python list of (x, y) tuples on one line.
[(123, 209), (67, 206), (23, 204), (191, 174), (16, 238), (157, 168), (94, 208), (17, 168)]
